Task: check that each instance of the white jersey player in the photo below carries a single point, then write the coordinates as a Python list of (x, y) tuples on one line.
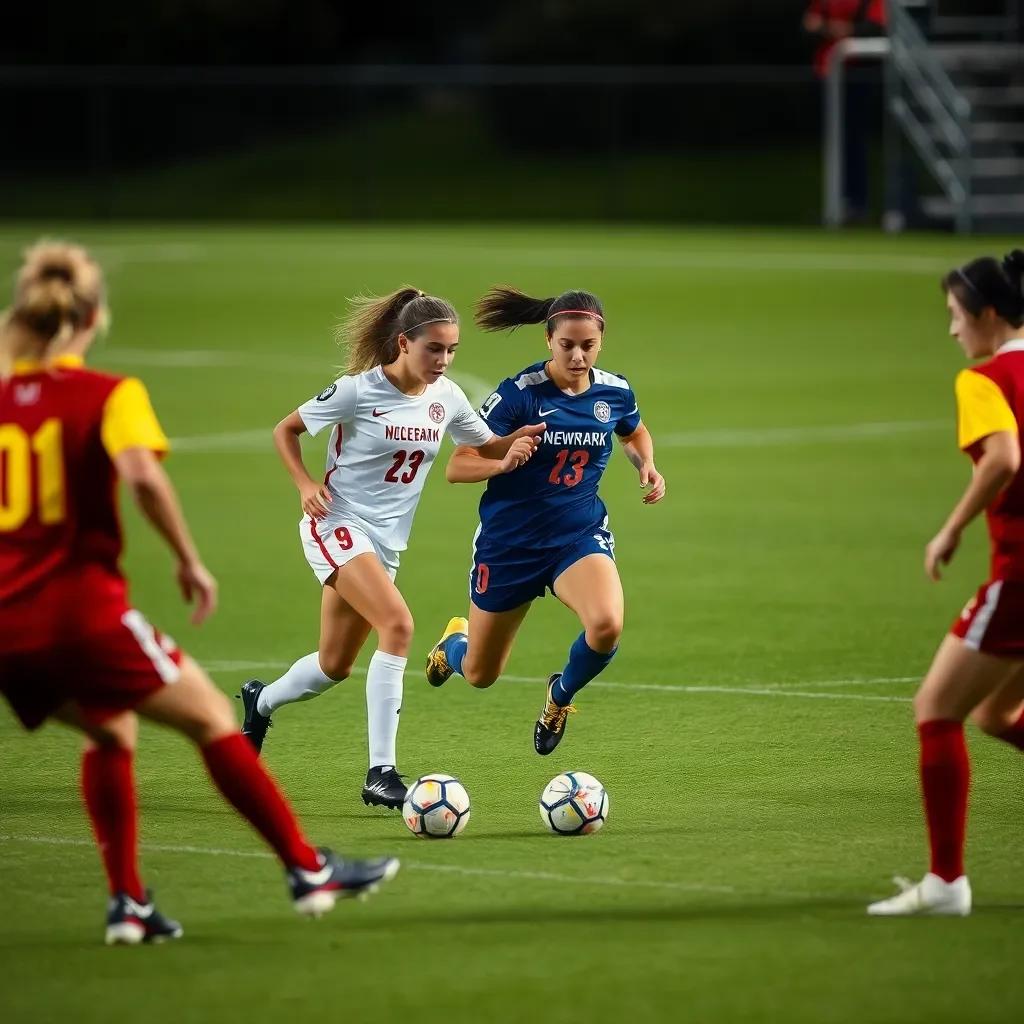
[(387, 416)]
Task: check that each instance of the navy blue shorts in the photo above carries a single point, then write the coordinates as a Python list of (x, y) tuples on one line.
[(505, 578)]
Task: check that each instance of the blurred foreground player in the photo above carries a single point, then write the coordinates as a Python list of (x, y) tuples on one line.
[(978, 670), (71, 646)]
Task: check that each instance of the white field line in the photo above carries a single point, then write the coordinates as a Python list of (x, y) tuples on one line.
[(477, 389), (359, 250), (451, 869), (259, 440), (763, 690)]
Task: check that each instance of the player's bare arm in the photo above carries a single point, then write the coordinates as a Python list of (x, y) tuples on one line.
[(639, 449), (153, 492), (471, 466), (315, 496), (993, 473)]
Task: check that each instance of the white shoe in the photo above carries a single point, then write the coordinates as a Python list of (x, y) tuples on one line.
[(931, 896)]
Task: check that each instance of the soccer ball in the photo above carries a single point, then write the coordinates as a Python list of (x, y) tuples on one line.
[(574, 804), (436, 807)]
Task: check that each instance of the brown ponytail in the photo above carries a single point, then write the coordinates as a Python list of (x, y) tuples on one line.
[(505, 309), (369, 333)]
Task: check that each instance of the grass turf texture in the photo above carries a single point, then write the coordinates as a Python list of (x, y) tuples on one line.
[(748, 829)]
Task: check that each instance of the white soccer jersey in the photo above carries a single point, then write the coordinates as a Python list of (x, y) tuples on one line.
[(383, 444)]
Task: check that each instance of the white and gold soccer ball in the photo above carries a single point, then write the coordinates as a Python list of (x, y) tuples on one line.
[(574, 804), (436, 807)]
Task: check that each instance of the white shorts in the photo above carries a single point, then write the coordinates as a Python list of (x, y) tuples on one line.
[(329, 544)]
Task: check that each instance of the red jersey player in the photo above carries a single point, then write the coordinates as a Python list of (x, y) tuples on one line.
[(978, 670), (71, 646)]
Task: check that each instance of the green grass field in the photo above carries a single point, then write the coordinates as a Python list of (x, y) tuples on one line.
[(754, 733)]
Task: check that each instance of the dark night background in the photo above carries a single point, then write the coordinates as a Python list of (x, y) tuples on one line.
[(319, 109), (258, 32)]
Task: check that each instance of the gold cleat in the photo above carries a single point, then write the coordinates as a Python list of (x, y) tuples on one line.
[(547, 733), (438, 669)]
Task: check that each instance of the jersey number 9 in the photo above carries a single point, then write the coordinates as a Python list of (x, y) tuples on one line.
[(17, 450)]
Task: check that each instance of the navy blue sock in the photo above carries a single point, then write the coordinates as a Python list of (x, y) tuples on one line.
[(584, 664), (455, 648)]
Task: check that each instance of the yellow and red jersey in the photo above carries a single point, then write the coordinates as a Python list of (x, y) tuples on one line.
[(61, 425), (990, 399)]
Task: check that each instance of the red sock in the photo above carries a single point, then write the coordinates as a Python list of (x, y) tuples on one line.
[(245, 783), (1015, 734), (109, 790), (945, 781)]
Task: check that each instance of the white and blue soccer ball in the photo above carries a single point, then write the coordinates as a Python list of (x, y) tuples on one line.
[(574, 804), (436, 807)]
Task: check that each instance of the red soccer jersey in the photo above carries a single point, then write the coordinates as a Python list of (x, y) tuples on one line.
[(990, 398), (60, 427), (849, 12)]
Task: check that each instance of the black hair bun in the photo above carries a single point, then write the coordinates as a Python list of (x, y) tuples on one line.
[(1013, 265)]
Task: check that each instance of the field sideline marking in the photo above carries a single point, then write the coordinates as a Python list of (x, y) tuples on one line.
[(767, 690), (259, 440), (124, 254), (453, 869), (477, 389)]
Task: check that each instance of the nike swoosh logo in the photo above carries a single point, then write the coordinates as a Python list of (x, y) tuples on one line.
[(137, 909), (321, 877), (375, 413), (546, 412)]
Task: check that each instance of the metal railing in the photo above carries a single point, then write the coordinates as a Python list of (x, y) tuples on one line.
[(835, 120), (999, 18), (934, 114)]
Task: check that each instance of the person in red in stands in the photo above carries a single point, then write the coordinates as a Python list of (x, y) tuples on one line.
[(72, 648), (831, 21)]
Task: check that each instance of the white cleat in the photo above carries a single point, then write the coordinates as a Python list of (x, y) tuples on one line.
[(931, 896)]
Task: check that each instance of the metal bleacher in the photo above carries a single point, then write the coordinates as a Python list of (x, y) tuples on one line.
[(955, 88)]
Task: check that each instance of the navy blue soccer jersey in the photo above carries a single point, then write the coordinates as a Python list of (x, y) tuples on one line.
[(552, 500)]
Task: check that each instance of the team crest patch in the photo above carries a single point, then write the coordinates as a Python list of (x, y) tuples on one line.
[(603, 411), (326, 393), (437, 412)]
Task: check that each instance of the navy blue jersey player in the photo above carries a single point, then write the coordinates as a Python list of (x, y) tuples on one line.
[(543, 525)]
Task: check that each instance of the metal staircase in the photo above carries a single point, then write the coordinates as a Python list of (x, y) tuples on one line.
[(955, 85)]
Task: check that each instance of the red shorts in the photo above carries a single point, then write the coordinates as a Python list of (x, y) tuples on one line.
[(114, 667), (993, 620)]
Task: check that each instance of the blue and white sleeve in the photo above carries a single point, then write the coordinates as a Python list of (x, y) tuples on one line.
[(631, 419), (504, 410)]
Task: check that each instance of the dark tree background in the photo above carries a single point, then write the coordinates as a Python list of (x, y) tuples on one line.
[(263, 32)]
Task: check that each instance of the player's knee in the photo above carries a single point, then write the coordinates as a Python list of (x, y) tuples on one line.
[(604, 631), (117, 733), (481, 676), (993, 722), (395, 634)]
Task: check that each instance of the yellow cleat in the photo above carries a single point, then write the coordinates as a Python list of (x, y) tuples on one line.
[(547, 733), (438, 669)]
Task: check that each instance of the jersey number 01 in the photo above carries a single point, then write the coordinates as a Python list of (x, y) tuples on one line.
[(17, 449)]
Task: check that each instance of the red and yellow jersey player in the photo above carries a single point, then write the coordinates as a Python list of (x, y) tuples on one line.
[(72, 647), (978, 670)]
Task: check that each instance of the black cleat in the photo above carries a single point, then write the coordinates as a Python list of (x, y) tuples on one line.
[(384, 788), (254, 725), (550, 727), (129, 923), (315, 892)]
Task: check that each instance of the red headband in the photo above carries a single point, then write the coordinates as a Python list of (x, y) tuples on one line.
[(577, 312)]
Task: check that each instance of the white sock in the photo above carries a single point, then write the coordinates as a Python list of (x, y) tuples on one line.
[(303, 681), (384, 681)]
